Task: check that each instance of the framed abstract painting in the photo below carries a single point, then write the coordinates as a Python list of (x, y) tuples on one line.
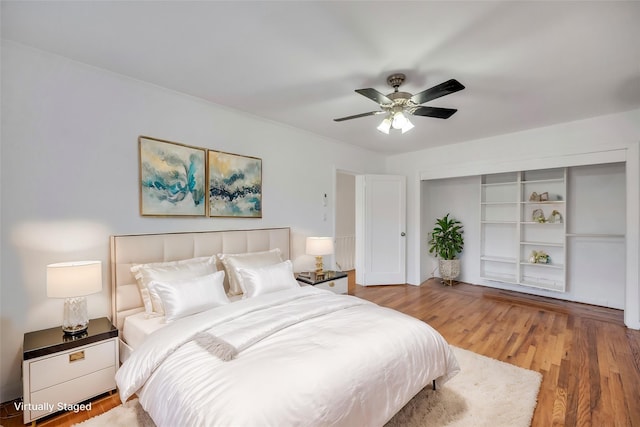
[(172, 178), (235, 185)]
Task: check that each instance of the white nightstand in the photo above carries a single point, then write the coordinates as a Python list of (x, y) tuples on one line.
[(335, 281), (60, 370)]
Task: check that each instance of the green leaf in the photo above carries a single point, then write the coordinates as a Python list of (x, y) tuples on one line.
[(446, 239)]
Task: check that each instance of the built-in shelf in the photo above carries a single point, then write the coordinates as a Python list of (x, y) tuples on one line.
[(499, 203), (504, 278), (543, 181), (597, 235), (542, 283), (559, 266), (499, 184), (546, 202), (552, 244), (499, 222), (510, 233), (499, 259), (546, 224)]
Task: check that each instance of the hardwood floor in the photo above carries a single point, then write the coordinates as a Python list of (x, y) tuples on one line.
[(11, 418), (590, 362)]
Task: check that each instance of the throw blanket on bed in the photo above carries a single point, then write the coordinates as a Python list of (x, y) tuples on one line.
[(296, 357)]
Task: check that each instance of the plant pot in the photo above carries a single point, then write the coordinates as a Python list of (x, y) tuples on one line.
[(449, 270)]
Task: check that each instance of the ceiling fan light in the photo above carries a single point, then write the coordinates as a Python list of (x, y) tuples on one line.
[(385, 125), (407, 126), (399, 120)]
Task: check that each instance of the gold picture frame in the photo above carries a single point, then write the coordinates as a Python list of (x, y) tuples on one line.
[(234, 185), (172, 178)]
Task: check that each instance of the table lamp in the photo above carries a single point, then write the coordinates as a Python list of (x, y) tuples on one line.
[(72, 281), (319, 246)]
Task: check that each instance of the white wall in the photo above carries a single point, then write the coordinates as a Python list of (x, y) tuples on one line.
[(69, 177), (345, 204), (602, 139), (597, 206), (459, 197), (345, 249)]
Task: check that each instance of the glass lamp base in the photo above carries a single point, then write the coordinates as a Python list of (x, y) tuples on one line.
[(76, 316), (319, 266)]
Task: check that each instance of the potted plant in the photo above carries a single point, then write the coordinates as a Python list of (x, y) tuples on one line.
[(447, 242)]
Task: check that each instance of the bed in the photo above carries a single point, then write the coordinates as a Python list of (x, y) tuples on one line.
[(262, 350)]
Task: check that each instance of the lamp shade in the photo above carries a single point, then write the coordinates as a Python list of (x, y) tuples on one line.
[(399, 120), (319, 246), (74, 279), (385, 125), (407, 126)]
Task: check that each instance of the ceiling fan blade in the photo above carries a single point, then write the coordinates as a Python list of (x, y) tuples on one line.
[(439, 113), (374, 95), (370, 113), (446, 88)]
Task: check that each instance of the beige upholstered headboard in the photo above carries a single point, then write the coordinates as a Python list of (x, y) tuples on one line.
[(144, 248)]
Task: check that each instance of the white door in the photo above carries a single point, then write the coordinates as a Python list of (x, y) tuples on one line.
[(380, 229)]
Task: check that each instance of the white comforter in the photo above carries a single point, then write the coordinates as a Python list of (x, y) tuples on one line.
[(306, 357)]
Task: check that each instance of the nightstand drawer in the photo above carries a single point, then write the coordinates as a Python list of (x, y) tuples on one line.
[(73, 391), (71, 364), (338, 286)]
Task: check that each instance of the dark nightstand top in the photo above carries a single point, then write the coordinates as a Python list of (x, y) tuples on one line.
[(328, 275), (53, 340)]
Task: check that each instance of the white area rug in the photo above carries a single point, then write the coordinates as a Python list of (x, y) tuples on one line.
[(486, 392)]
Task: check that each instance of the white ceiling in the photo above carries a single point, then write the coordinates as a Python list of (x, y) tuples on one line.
[(524, 64)]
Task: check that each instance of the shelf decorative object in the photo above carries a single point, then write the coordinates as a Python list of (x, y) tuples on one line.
[(538, 216), (535, 197), (555, 217), (539, 257), (447, 242)]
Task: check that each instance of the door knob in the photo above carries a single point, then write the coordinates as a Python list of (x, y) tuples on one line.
[(403, 234)]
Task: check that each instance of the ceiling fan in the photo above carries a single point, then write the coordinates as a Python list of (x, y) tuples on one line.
[(397, 105)]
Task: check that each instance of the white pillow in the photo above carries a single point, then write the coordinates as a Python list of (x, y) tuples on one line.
[(167, 272), (184, 297), (263, 280), (232, 262)]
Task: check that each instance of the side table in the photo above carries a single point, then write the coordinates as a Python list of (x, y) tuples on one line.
[(59, 370)]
